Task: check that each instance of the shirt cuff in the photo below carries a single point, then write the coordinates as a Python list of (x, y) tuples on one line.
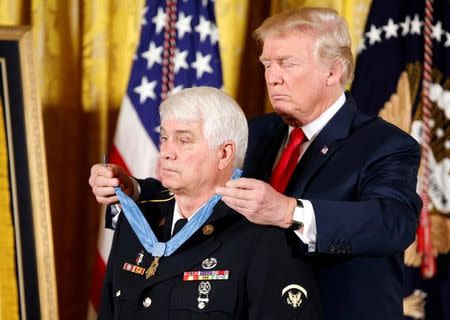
[(308, 234)]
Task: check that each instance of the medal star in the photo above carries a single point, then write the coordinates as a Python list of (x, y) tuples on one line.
[(183, 25), (405, 25), (203, 28), (374, 35), (201, 64), (153, 55), (160, 20), (437, 31), (145, 90), (180, 60), (391, 29), (143, 18), (447, 42), (416, 24)]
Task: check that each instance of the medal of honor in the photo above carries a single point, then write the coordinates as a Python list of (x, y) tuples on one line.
[(148, 238)]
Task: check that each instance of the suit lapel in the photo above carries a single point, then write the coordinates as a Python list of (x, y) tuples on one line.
[(322, 148), (262, 163)]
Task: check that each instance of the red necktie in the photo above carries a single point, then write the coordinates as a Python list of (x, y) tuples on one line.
[(288, 161)]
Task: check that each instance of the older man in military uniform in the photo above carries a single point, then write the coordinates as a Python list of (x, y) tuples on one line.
[(218, 265)]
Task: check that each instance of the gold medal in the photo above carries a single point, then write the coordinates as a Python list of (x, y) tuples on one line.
[(152, 269)]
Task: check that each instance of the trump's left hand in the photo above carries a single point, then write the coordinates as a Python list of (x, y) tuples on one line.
[(258, 202)]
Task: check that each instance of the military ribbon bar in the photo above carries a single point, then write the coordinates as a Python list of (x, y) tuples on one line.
[(206, 275), (132, 268)]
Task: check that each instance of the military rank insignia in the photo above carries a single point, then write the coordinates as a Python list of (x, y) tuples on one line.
[(295, 297)]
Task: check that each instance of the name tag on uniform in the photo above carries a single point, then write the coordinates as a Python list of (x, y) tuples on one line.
[(132, 268), (206, 275)]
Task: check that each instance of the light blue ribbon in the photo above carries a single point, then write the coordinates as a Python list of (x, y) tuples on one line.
[(146, 235)]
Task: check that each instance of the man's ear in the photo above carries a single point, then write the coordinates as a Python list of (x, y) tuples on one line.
[(226, 155), (334, 74)]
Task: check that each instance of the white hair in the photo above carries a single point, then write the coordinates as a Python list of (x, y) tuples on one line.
[(223, 120)]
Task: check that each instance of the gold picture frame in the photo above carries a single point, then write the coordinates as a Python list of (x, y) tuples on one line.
[(28, 179)]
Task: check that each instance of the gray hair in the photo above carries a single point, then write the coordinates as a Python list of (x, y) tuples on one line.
[(333, 41), (223, 119)]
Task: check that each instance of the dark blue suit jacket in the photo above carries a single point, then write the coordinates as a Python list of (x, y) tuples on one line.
[(360, 175)]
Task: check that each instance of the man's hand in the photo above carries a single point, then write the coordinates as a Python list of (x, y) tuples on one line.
[(103, 180), (258, 202)]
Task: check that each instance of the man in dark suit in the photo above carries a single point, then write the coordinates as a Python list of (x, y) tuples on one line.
[(218, 265), (344, 181)]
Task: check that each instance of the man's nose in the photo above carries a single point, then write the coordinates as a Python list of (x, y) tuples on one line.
[(167, 152), (273, 75)]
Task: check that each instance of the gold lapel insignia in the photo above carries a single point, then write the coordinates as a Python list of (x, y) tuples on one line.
[(294, 295), (208, 229)]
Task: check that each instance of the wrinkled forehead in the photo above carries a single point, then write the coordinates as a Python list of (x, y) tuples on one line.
[(182, 125)]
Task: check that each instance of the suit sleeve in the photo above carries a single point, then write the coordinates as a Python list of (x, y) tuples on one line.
[(382, 218), (280, 282)]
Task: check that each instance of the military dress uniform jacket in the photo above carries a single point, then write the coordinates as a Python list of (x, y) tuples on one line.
[(268, 277), (360, 175)]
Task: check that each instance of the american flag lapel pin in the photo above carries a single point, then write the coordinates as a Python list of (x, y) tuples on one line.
[(324, 150)]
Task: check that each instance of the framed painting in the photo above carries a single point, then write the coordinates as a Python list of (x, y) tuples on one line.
[(24, 186)]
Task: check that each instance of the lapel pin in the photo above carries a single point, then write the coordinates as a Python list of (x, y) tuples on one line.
[(139, 257), (209, 263), (295, 296), (208, 229), (324, 150), (162, 222)]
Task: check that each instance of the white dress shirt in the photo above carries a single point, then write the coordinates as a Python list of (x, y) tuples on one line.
[(308, 234)]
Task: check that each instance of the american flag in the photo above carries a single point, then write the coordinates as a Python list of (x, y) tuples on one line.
[(389, 79), (178, 49)]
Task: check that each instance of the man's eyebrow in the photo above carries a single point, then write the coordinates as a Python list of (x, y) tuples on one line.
[(184, 132), (280, 58)]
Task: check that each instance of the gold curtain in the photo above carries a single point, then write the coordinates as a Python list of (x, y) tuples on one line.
[(9, 303), (83, 51)]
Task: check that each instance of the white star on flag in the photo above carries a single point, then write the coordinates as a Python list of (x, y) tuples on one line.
[(180, 60), (405, 26), (203, 28), (374, 34), (416, 24), (160, 20), (201, 64), (361, 46), (214, 36), (437, 31), (176, 89), (183, 25), (153, 54), (447, 42), (391, 29), (143, 19), (146, 90)]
